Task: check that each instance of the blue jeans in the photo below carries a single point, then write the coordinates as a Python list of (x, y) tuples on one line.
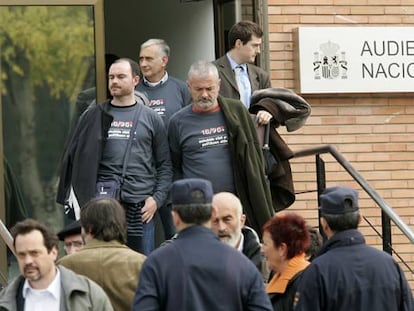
[(148, 238), (143, 244), (167, 221)]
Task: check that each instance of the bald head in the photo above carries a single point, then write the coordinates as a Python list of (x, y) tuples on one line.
[(230, 218), (228, 200)]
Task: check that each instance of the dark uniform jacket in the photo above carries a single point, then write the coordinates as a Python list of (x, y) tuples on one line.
[(350, 275), (198, 272)]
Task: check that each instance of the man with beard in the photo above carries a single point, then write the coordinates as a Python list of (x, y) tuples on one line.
[(214, 138), (100, 145), (42, 285), (230, 228)]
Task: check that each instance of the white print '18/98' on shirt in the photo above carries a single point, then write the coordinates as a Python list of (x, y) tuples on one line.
[(212, 137), (120, 130)]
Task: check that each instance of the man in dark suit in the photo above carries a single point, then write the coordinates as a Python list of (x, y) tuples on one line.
[(196, 271), (239, 77)]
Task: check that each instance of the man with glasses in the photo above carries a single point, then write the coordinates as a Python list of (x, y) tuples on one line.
[(71, 237)]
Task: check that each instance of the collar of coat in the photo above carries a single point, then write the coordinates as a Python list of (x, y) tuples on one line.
[(280, 281), (233, 113), (343, 238)]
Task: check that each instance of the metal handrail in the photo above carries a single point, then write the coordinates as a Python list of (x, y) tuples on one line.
[(362, 182), (7, 238)]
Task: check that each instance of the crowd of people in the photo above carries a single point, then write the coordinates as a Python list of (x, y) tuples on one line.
[(189, 154), (208, 265)]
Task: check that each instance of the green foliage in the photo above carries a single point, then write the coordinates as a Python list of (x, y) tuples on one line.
[(57, 41)]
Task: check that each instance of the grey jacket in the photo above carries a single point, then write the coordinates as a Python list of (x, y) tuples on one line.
[(78, 293)]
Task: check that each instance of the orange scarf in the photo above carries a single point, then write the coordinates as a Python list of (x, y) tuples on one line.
[(279, 282)]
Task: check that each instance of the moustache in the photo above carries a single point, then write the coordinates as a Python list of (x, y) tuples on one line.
[(224, 235), (28, 267)]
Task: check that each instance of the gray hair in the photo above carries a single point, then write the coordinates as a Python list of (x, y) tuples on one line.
[(228, 199), (163, 48), (203, 69)]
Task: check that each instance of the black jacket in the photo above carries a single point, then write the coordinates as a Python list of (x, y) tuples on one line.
[(84, 152), (198, 272), (285, 301), (252, 248)]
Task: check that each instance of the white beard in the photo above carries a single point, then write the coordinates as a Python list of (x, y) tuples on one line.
[(234, 239)]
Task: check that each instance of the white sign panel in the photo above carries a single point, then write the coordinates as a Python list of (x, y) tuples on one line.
[(356, 59)]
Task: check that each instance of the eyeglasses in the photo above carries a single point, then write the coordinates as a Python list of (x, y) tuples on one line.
[(75, 244)]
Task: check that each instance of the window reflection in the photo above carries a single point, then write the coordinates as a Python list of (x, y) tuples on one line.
[(47, 57)]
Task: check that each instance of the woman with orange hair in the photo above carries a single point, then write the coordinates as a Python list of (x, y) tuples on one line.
[(285, 240)]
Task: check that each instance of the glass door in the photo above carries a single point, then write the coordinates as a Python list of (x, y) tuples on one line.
[(229, 12), (51, 66)]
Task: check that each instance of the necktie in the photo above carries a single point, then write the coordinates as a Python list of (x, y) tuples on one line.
[(243, 84)]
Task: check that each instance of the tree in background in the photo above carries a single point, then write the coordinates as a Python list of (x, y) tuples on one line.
[(45, 54)]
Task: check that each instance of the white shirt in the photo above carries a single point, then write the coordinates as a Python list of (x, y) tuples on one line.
[(154, 84), (241, 242), (43, 299)]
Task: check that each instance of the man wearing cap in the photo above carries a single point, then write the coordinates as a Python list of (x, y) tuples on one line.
[(348, 274), (197, 271), (72, 237)]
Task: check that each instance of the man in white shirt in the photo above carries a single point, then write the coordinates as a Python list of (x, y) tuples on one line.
[(42, 285)]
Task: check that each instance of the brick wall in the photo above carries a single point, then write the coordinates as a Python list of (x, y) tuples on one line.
[(374, 132)]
